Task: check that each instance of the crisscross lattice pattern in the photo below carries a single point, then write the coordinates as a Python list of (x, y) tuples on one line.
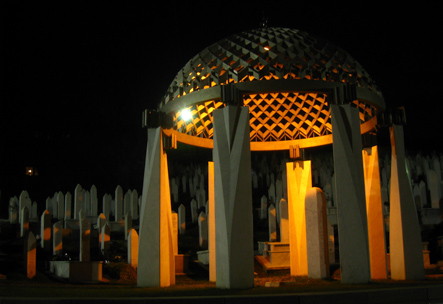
[(287, 116), (201, 123), (273, 116), (264, 54)]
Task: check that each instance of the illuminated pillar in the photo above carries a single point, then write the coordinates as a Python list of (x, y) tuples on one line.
[(299, 181), (233, 198), (211, 223), (404, 230), (156, 264), (374, 212), (350, 194)]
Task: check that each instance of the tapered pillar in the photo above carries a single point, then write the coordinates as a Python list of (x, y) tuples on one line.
[(404, 230), (211, 223), (350, 194), (233, 198), (156, 265), (374, 212), (299, 181)]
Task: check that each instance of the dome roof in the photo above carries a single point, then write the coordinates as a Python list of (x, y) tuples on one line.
[(265, 54), (287, 78)]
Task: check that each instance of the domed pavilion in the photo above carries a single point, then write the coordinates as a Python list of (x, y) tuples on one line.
[(270, 89)]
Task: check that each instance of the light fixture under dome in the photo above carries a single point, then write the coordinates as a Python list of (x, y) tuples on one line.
[(186, 115)]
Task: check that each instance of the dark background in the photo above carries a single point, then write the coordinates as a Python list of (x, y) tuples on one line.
[(76, 76)]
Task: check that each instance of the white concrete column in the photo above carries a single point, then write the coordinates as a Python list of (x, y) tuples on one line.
[(350, 195), (299, 181), (374, 210), (404, 232), (233, 198), (211, 224), (156, 264)]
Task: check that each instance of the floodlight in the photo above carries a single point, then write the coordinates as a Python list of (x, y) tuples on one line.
[(186, 115)]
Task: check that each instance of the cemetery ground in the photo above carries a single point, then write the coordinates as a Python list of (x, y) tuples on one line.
[(120, 279)]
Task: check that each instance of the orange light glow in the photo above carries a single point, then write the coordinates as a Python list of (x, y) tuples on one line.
[(29, 171)]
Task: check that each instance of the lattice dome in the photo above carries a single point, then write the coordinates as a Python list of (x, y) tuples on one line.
[(264, 63)]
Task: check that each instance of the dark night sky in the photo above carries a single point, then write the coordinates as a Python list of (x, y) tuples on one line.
[(76, 78)]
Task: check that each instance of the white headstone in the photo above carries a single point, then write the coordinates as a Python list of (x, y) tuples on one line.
[(285, 183), (94, 201), (107, 205), (417, 196), (13, 210), (112, 209), (437, 168), (45, 230), (30, 255), (315, 178), (34, 214), (134, 204), (191, 188), (174, 190), (327, 190), (201, 198), (24, 221), (105, 240), (24, 201), (87, 202), (284, 221), (419, 170), (194, 211), (60, 205), (78, 200), (128, 224), (423, 195), (272, 221), (68, 207), (182, 219), (184, 183), (197, 198), (49, 204), (174, 218), (101, 221), (263, 208), (54, 205), (57, 239), (133, 248), (85, 237), (196, 183), (254, 180), (316, 234), (127, 202), (271, 194), (434, 185), (278, 189), (118, 203), (203, 230)]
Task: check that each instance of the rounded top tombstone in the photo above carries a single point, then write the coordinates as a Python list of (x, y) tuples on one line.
[(287, 78)]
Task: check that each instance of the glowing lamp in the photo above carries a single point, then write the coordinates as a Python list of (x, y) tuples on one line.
[(186, 115)]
